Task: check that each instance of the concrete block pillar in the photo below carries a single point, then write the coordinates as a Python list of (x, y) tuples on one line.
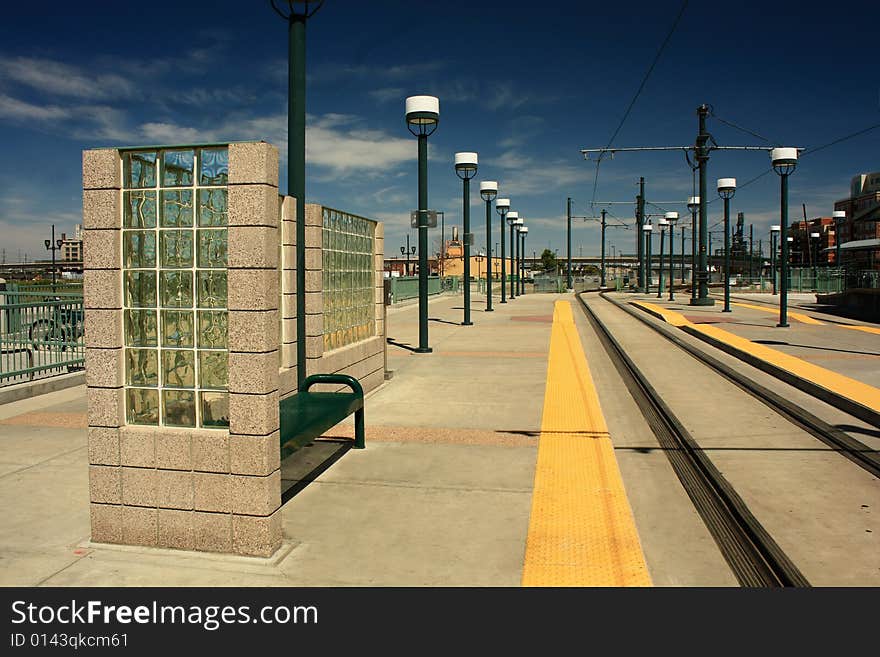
[(208, 477)]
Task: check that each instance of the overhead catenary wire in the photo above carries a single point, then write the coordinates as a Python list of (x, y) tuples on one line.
[(638, 93)]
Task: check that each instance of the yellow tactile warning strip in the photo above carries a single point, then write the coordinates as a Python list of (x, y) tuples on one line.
[(866, 329), (581, 528), (859, 392), (800, 317)]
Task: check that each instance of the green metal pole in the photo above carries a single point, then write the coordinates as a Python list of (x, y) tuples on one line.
[(602, 281), (682, 255), (783, 280), (423, 246), (640, 218), (694, 257), (512, 263), (522, 262), (503, 263), (773, 260), (53, 259), (569, 285), (296, 171), (727, 255), (672, 260), (489, 256), (703, 298), (649, 234), (466, 217), (660, 276), (751, 249)]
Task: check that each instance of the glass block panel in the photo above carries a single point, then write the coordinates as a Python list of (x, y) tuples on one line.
[(142, 367), (140, 328), (177, 209), (177, 289), (142, 406), (179, 408), (178, 368), (140, 289), (139, 169), (139, 249), (212, 207), (212, 329), (215, 409), (212, 289), (213, 369), (212, 248), (213, 166), (177, 328), (177, 248), (139, 209), (177, 168)]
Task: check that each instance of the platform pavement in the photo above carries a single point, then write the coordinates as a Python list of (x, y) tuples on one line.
[(440, 496)]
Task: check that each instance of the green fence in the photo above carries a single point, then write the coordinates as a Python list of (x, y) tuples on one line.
[(41, 334), (407, 287)]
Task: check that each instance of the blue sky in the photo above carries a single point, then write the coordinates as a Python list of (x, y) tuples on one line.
[(523, 85)]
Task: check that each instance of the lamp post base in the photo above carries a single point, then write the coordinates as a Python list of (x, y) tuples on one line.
[(702, 302), (467, 323), (489, 310), (726, 310), (782, 326), (424, 350)]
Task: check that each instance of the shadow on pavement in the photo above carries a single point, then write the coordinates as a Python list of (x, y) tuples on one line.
[(305, 465)]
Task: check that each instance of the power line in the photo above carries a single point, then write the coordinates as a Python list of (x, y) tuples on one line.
[(639, 91)]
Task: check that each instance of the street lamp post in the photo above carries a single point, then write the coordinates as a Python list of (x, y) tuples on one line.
[(53, 245), (602, 281), (646, 231), (663, 224), (671, 219), (523, 233), (488, 191), (297, 15), (479, 258), (502, 206), (517, 226), (693, 205), (466, 168), (814, 255), (774, 232), (839, 218), (512, 219), (726, 190), (784, 163), (422, 117)]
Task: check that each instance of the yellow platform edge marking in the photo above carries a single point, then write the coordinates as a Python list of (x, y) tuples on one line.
[(581, 527), (862, 393), (866, 329), (800, 317)]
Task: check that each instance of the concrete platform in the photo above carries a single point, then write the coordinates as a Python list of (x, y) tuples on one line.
[(442, 494)]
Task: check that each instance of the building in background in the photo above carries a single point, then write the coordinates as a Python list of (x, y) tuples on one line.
[(862, 222), (805, 251), (72, 247)]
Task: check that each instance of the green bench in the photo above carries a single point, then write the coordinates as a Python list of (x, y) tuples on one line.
[(307, 415)]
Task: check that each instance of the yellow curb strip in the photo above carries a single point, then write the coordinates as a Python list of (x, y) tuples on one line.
[(581, 528), (859, 392), (803, 319)]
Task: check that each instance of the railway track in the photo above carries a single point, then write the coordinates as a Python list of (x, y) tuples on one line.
[(752, 554), (840, 441)]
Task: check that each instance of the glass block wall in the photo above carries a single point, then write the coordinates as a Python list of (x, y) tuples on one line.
[(348, 278), (174, 286)]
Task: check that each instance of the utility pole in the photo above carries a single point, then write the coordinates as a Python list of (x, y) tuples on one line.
[(640, 218), (701, 152), (568, 286), (751, 249), (602, 281)]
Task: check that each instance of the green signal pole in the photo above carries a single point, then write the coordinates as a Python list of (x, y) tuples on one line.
[(569, 285), (602, 282)]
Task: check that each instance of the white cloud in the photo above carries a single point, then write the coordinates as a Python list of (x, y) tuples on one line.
[(19, 110), (61, 79)]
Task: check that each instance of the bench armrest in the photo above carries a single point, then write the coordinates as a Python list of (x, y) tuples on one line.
[(341, 379)]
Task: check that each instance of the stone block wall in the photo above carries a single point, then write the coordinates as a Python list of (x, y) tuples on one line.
[(188, 488)]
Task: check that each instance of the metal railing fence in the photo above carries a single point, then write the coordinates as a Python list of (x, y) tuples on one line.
[(40, 334)]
